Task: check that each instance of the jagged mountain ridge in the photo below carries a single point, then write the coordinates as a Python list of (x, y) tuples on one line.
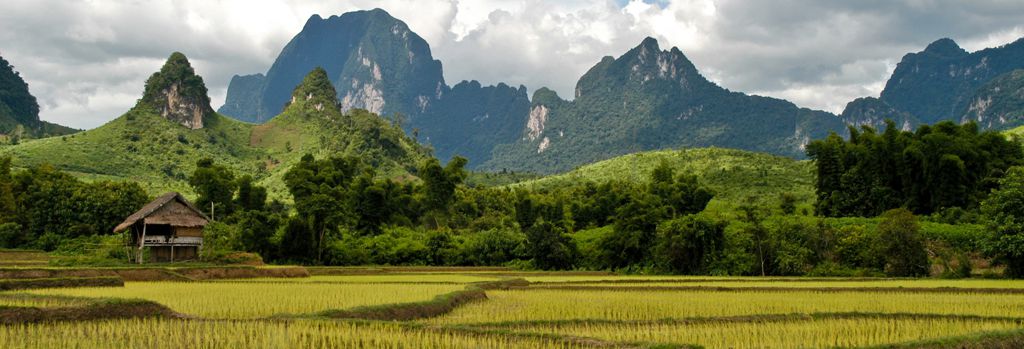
[(376, 63), (647, 99), (945, 82)]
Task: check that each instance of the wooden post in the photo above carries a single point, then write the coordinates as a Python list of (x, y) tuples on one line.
[(172, 253), (142, 241)]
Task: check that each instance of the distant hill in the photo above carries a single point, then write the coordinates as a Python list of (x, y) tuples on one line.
[(376, 63), (735, 175), (158, 142), (650, 99), (19, 110), (945, 82)]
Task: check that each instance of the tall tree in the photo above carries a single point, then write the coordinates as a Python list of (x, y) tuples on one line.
[(1004, 213), (215, 186)]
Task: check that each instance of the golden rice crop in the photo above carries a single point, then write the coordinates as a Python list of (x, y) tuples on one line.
[(757, 281), (26, 300), (818, 333), (906, 283), (240, 300), (173, 334), (385, 278), (541, 304)]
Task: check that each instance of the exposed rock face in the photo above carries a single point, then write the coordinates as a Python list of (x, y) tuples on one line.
[(178, 93), (184, 110), (538, 117), (374, 61)]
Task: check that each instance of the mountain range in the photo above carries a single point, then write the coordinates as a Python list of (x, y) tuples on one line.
[(376, 63), (945, 82), (362, 84), (648, 98)]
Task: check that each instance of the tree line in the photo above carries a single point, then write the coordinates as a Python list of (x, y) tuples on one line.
[(345, 213)]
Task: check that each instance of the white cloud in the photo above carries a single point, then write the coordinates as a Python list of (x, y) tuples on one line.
[(87, 61)]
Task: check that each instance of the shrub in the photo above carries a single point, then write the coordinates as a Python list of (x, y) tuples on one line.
[(904, 248)]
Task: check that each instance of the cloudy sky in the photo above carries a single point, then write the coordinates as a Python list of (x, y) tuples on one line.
[(87, 60)]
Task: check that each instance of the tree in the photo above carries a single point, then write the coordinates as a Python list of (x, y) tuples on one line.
[(904, 249), (321, 189), (1004, 215), (549, 247), (683, 194), (250, 196), (256, 229), (297, 243), (215, 187), (942, 166), (633, 233), (688, 245), (787, 203), (439, 183)]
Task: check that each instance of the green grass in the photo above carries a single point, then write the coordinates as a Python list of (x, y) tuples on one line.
[(733, 174), (144, 147), (1016, 132)]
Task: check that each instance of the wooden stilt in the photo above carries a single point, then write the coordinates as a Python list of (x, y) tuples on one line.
[(142, 242)]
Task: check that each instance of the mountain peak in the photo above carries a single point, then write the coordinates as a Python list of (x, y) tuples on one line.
[(945, 47), (650, 43), (178, 93), (315, 90)]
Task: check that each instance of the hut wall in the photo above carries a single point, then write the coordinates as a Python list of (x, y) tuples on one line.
[(189, 231), (162, 254)]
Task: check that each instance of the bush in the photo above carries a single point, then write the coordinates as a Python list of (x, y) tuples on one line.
[(688, 245), (904, 248), (10, 235)]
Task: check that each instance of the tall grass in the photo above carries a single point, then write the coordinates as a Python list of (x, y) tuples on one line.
[(242, 300), (539, 304), (173, 334), (819, 333)]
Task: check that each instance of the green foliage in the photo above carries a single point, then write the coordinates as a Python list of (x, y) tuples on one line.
[(650, 99), (689, 245), (43, 200), (19, 111), (215, 187), (316, 88), (176, 73), (439, 183), (1004, 210), (904, 249), (549, 247), (936, 167)]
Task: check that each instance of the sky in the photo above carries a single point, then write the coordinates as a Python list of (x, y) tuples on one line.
[(87, 60)]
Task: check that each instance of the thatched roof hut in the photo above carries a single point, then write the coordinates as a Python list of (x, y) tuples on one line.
[(170, 226)]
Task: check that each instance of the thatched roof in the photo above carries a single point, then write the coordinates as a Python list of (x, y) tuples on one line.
[(170, 208)]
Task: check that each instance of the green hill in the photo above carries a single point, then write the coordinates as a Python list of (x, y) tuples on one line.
[(734, 175), (158, 142), (1019, 132)]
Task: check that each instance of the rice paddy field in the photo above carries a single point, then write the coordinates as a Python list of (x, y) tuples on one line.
[(431, 309)]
